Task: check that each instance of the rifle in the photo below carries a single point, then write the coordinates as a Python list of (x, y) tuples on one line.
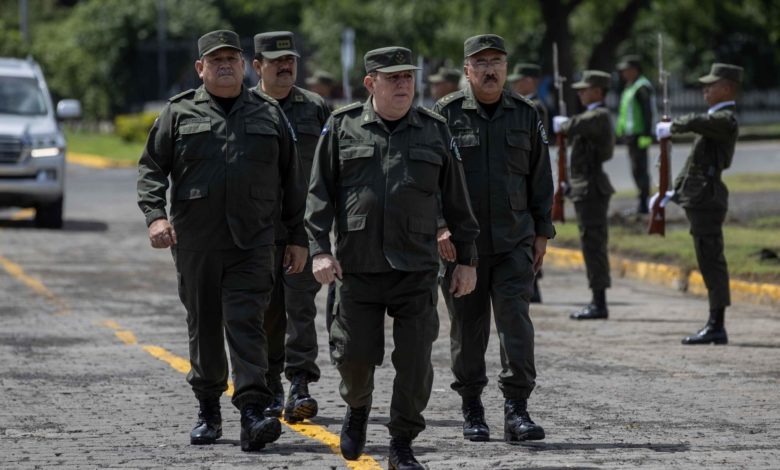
[(657, 223), (560, 142)]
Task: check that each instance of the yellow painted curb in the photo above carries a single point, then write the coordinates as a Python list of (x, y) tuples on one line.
[(96, 161), (667, 275)]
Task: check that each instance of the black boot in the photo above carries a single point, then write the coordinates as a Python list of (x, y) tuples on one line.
[(401, 456), (596, 309), (300, 405), (353, 432), (642, 207), (713, 332), (277, 400), (518, 425), (209, 426), (474, 426), (257, 430)]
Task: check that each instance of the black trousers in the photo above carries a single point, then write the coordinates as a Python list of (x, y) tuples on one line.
[(639, 166)]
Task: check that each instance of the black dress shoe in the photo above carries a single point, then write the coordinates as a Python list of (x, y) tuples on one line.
[(300, 405), (710, 334), (277, 399), (257, 430), (474, 426), (209, 426), (518, 425), (591, 312), (401, 455), (353, 432)]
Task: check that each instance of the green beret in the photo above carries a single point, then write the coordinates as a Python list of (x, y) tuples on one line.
[(722, 71), (593, 78), (275, 44), (445, 75), (389, 60), (524, 70), (219, 39), (481, 42)]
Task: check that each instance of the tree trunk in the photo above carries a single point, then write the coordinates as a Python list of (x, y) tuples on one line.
[(556, 19), (602, 56)]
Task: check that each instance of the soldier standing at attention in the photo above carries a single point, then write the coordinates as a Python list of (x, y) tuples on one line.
[(322, 83), (592, 143), (505, 158), (699, 188), (383, 172), (276, 63), (444, 82), (636, 116), (230, 158)]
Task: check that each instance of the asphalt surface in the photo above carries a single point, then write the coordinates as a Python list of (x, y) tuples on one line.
[(83, 388)]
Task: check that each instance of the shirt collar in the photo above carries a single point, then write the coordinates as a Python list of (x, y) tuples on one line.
[(721, 105), (595, 105)]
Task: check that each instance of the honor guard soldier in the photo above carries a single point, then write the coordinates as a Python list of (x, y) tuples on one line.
[(383, 172), (322, 83), (699, 188), (444, 82), (276, 63), (592, 143), (232, 166), (505, 158), (636, 116)]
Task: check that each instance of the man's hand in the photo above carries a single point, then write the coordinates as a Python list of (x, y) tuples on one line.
[(644, 141), (325, 268), (540, 248), (446, 248), (558, 122), (464, 280), (295, 258), (664, 200), (161, 234)]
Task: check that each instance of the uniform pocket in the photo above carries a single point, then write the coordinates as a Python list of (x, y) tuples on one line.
[(355, 160), (424, 169), (194, 139), (519, 144), (262, 193), (189, 192), (518, 201), (262, 140), (423, 225), (468, 141)]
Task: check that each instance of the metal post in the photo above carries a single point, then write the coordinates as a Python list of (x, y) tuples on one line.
[(347, 60), (23, 20)]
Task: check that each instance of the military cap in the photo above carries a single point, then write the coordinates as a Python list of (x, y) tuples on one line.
[(630, 61), (524, 70), (445, 75), (321, 76), (481, 42), (592, 78), (722, 71), (275, 44), (389, 60), (219, 39)]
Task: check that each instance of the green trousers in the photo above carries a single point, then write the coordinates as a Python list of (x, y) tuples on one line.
[(707, 232), (594, 235), (357, 338)]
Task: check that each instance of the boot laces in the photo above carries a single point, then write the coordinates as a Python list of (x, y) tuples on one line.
[(403, 450), (357, 418), (473, 411)]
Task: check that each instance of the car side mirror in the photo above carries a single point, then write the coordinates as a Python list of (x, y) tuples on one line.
[(69, 109)]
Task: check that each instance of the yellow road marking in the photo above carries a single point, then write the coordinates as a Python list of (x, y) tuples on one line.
[(23, 214), (34, 284), (97, 161)]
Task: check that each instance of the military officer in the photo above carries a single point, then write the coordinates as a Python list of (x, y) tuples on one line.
[(444, 82), (636, 116), (276, 63), (229, 155), (504, 149), (699, 188), (382, 173), (592, 143)]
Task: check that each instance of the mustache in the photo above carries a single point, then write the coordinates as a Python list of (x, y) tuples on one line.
[(224, 72), (490, 78), (284, 71)]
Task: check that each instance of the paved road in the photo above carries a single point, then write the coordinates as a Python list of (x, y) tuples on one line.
[(91, 328)]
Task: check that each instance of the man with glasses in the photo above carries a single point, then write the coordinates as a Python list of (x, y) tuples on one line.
[(383, 172), (276, 63), (505, 159)]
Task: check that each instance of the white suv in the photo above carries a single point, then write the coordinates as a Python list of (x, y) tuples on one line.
[(32, 145)]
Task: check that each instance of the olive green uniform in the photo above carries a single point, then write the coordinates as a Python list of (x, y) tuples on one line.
[(291, 311), (592, 143), (699, 189), (382, 190), (507, 168), (227, 174)]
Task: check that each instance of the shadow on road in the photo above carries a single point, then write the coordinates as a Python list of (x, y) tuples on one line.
[(659, 447), (68, 226)]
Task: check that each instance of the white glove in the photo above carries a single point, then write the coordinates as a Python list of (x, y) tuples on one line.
[(668, 195), (558, 121), (663, 130)]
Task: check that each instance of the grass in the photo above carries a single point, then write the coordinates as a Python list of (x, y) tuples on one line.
[(105, 145)]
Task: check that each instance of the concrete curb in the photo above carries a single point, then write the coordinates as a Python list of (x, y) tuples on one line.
[(96, 161), (667, 275)]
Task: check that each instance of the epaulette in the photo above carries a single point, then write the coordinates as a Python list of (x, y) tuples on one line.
[(262, 95), (432, 113), (181, 95), (451, 98), (349, 107), (522, 99)]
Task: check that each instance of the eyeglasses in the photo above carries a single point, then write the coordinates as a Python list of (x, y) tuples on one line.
[(481, 65)]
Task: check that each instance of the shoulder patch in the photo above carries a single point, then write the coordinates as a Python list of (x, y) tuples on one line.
[(451, 98), (542, 133), (181, 95), (262, 95), (349, 107), (522, 99), (432, 113), (454, 148)]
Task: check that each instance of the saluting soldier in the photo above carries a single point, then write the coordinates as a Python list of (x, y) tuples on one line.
[(592, 143), (276, 63), (699, 188), (505, 158), (232, 164), (382, 171), (636, 116)]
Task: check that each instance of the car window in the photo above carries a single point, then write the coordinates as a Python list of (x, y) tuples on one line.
[(21, 96)]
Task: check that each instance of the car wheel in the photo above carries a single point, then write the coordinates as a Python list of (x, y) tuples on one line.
[(49, 215)]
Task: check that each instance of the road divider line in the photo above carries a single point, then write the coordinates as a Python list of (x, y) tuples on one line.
[(23, 214), (97, 161), (17, 272)]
